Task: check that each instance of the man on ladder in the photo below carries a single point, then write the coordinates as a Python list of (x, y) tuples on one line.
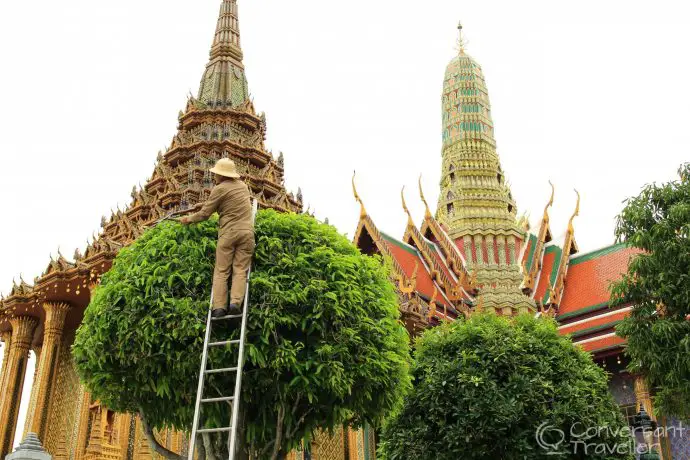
[(230, 198)]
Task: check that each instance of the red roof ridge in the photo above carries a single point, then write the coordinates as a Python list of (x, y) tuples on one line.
[(603, 250)]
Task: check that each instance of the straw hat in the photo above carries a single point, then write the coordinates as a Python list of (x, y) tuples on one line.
[(226, 168)]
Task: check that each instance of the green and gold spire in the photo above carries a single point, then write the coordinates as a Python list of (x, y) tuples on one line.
[(474, 195), (475, 205), (224, 82)]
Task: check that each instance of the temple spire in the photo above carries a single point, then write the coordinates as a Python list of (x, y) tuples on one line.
[(461, 39), (475, 204), (226, 42), (224, 82)]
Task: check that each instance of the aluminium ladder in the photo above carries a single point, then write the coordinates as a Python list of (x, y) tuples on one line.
[(235, 398)]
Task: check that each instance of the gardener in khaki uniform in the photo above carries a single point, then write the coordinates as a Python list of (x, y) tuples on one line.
[(230, 198)]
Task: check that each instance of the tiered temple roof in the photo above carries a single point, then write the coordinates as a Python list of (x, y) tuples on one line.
[(475, 254), (220, 122), (43, 316)]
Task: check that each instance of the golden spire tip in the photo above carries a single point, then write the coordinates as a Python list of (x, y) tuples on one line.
[(405, 208), (461, 39), (576, 213), (363, 211), (421, 194)]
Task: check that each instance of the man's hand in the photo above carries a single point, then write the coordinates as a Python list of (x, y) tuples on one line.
[(184, 220)]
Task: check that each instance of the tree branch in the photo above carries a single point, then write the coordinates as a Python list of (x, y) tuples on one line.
[(279, 433), (266, 448), (201, 451), (155, 445), (210, 449), (297, 425)]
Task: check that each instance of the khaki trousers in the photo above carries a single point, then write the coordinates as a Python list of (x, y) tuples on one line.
[(233, 257)]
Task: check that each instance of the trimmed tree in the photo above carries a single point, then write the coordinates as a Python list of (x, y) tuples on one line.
[(324, 345), (491, 387), (658, 287)]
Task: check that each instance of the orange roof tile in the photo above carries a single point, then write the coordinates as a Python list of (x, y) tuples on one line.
[(596, 323), (549, 263), (528, 256), (589, 277), (605, 342)]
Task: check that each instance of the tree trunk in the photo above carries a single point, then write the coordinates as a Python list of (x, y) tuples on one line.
[(201, 451), (155, 445), (211, 453), (242, 452), (279, 434)]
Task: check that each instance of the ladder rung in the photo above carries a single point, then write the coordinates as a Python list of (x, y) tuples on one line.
[(225, 342), (221, 318), (220, 371), (213, 430), (223, 399)]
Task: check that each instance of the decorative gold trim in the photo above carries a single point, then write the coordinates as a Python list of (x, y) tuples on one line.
[(410, 221), (408, 287), (529, 280), (427, 211), (363, 211), (571, 229)]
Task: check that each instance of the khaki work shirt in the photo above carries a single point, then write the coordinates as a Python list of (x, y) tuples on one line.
[(232, 201)]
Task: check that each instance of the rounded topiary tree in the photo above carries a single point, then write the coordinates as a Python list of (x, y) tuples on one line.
[(491, 387), (324, 344)]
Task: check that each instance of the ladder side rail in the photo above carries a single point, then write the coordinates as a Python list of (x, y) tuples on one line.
[(240, 363), (200, 388)]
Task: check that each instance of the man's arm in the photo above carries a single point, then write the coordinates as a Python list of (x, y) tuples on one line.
[(209, 207)]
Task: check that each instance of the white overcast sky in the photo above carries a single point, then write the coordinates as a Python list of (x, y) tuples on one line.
[(592, 95)]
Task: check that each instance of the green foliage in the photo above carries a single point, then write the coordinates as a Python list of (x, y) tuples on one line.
[(324, 343), (658, 222), (483, 387)]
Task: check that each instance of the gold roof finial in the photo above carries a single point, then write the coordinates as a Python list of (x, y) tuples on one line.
[(550, 203), (461, 39), (575, 214), (553, 192), (410, 221), (427, 212), (363, 211)]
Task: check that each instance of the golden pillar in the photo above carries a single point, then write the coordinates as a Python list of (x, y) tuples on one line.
[(32, 398), (85, 416), (83, 432), (643, 398), (23, 328), (48, 365), (6, 338)]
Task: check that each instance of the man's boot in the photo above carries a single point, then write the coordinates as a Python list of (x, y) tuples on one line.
[(235, 309), (219, 312)]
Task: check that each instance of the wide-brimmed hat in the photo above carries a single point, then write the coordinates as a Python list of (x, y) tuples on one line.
[(226, 168)]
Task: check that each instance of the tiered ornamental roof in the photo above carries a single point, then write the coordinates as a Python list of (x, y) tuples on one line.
[(475, 254), (220, 122), (432, 279)]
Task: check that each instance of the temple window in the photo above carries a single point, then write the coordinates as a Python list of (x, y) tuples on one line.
[(450, 208)]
